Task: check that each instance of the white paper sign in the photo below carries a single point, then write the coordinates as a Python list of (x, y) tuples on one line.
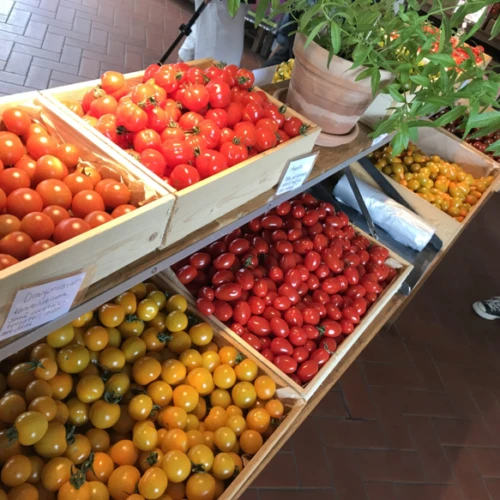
[(379, 139), (40, 304), (296, 173)]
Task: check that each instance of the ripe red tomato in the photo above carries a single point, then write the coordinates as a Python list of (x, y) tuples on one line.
[(111, 81), (219, 94), (23, 201), (183, 176), (246, 133), (146, 139), (228, 292), (223, 311), (98, 218), (242, 312), (16, 244), (154, 161), (177, 153), (37, 146), (12, 179), (86, 202), (157, 119), (16, 120), (245, 279), (209, 130), (219, 116), (102, 106), (210, 162), (39, 247), (57, 214), (244, 78), (280, 345), (293, 126), (265, 139), (285, 363), (11, 148), (131, 117), (167, 78), (70, 228), (234, 152), (49, 167), (195, 76), (195, 98), (38, 226), (114, 194), (252, 112), (307, 370), (187, 274), (27, 164)]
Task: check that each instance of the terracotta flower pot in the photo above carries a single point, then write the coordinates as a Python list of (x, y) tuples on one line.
[(328, 96)]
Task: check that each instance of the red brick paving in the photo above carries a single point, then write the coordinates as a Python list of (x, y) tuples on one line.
[(47, 43), (418, 414)]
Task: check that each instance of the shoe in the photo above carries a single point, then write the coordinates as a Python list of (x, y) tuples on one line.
[(488, 309)]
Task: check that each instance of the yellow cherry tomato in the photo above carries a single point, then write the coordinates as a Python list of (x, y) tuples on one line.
[(201, 380), (139, 290), (237, 424), (20, 376), (133, 348), (146, 370), (36, 389), (179, 342), (90, 388), (123, 482), (173, 371), (220, 397), (202, 455), (258, 419), (112, 359), (160, 392), (30, 427), (265, 387), (147, 309), (56, 472), (16, 471), (229, 355), (96, 338), (46, 369), (78, 412), (200, 485), (61, 384), (224, 376), (111, 315), (145, 437), (176, 321), (176, 466), (61, 336), (53, 443), (131, 326), (246, 370), (98, 439), (185, 397), (44, 405), (210, 360), (153, 483), (244, 395), (124, 452), (201, 334), (175, 439), (158, 297), (140, 407), (176, 303), (118, 384), (224, 438), (73, 358), (251, 441), (191, 358), (11, 406), (128, 301), (174, 418), (223, 467), (104, 415), (82, 320)]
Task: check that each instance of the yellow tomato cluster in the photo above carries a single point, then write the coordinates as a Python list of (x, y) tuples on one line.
[(284, 71), (446, 185), (133, 401)]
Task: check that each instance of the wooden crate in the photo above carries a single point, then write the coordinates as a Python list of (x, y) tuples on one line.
[(107, 248), (404, 268), (450, 148), (211, 198), (292, 401)]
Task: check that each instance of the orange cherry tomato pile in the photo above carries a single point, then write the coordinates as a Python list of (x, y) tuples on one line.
[(46, 198), (292, 283), (184, 123), (133, 401)]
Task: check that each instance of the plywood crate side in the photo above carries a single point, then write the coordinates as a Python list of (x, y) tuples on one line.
[(404, 269), (104, 249), (218, 195)]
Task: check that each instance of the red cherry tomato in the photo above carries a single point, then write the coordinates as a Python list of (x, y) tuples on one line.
[(307, 370), (228, 291), (187, 274), (259, 326), (285, 363), (253, 340)]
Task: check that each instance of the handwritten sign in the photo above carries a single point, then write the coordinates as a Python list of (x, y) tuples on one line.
[(379, 139), (296, 173), (40, 304)]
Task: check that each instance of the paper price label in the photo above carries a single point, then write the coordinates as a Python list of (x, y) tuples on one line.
[(379, 139), (40, 304), (296, 172)]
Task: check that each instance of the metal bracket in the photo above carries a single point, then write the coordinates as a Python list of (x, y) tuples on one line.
[(361, 202)]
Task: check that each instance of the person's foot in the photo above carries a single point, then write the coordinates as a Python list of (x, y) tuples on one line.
[(488, 309)]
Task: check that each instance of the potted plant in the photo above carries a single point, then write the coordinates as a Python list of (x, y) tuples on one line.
[(348, 51)]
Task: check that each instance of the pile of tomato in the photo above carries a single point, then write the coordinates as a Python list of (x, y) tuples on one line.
[(46, 196), (185, 123), (136, 400), (292, 283)]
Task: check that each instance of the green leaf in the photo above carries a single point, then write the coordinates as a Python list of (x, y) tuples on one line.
[(475, 28), (309, 14), (335, 36), (444, 60), (495, 147), (260, 13), (399, 142), (233, 6), (375, 81), (450, 116), (496, 29), (420, 80), (314, 32), (445, 32), (359, 55), (396, 95), (485, 119)]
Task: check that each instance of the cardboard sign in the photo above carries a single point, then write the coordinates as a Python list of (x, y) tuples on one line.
[(296, 173), (40, 304)]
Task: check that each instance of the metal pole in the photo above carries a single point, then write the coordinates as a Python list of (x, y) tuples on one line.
[(185, 30)]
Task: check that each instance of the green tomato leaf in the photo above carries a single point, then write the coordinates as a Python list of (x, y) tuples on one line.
[(260, 13), (399, 142), (233, 6), (450, 116), (420, 80), (335, 36), (487, 119), (444, 60), (308, 15), (396, 95), (494, 148), (375, 81), (496, 29), (315, 32)]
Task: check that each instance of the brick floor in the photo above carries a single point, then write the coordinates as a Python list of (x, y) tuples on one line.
[(417, 417), (47, 43)]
